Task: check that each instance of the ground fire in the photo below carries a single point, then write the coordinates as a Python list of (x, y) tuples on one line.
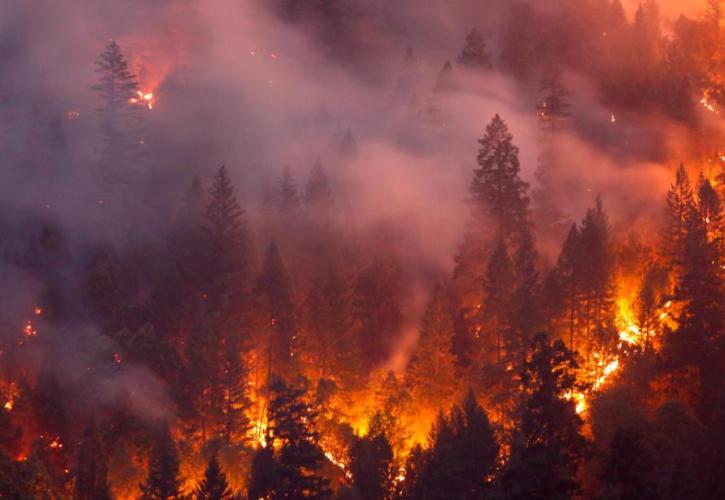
[(318, 249)]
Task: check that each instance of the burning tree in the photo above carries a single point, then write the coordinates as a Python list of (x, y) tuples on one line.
[(120, 123)]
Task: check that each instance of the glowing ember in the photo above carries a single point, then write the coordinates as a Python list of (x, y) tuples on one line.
[(9, 405), (29, 330), (707, 103), (55, 443)]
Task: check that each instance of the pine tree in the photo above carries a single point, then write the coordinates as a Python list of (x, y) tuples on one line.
[(119, 120), (496, 312), (476, 447), (265, 475), (474, 55), (91, 472), (553, 117), (330, 340), (597, 280), (275, 296), (299, 456), (371, 463), (461, 459), (568, 269), (554, 108), (318, 198), (548, 446), (526, 314), (627, 467), (162, 482), (377, 309), (228, 249), (214, 486), (680, 204), (405, 92), (286, 195), (431, 371), (446, 79), (700, 286), (497, 188)]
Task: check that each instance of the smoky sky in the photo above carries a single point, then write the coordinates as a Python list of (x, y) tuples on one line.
[(234, 84)]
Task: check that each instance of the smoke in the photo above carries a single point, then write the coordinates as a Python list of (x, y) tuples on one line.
[(234, 84)]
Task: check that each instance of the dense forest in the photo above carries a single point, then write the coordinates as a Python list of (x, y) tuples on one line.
[(362, 250)]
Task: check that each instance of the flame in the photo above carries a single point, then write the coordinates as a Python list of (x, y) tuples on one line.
[(144, 99), (9, 405), (707, 103)]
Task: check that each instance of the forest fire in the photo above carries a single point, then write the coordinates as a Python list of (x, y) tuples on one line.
[(348, 327)]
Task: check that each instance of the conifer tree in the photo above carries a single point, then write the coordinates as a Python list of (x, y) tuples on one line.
[(91, 472), (679, 205), (287, 198), (162, 482), (265, 476), (406, 89), (446, 80), (548, 446), (377, 308), (214, 486), (568, 269), (497, 187), (299, 457), (525, 307), (318, 198), (461, 460), (553, 117), (474, 55), (431, 371), (275, 296), (627, 467), (554, 107), (497, 306), (371, 463), (228, 249), (119, 120), (597, 280), (329, 323)]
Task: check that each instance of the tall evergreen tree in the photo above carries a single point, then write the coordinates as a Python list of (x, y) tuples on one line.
[(548, 446), (597, 280), (554, 107), (162, 481), (91, 472), (526, 313), (287, 198), (431, 371), (627, 468), (461, 460), (554, 115), (329, 324), (568, 269), (371, 463), (214, 486), (299, 456), (497, 188), (496, 312), (474, 55), (277, 305), (119, 119), (679, 206)]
